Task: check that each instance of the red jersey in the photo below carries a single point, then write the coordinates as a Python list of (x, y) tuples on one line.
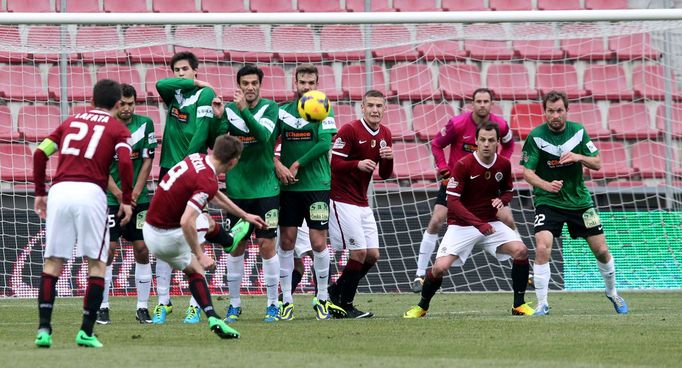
[(87, 144), (355, 142), (191, 182), (472, 188)]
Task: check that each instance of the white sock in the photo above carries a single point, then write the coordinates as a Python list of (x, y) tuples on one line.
[(193, 303), (235, 273), (163, 280), (541, 276), (608, 272), (108, 278), (143, 282), (286, 267), (321, 266), (271, 277), (426, 248)]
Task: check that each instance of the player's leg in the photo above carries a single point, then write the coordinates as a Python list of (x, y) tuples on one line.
[(429, 239), (548, 224), (301, 249), (205, 225), (291, 216), (235, 274), (91, 303), (432, 282), (47, 292), (143, 280), (103, 316), (163, 280), (268, 209)]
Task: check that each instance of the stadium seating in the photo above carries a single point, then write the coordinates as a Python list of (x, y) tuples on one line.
[(589, 115), (376, 6), (33, 6), (44, 38), (21, 83), (223, 78), (88, 36), (147, 54), (79, 108), (222, 6), (510, 82), (511, 5), (12, 39), (561, 77), (536, 49), (122, 74), (299, 38), (327, 82), (238, 40), (483, 49), (187, 36), (156, 161), (607, 82), (459, 5), (429, 118), (153, 112), (329, 40), (412, 162), (276, 86), (396, 120), (525, 117), (387, 34), (559, 5), (649, 158), (344, 114), (7, 131), (173, 6), (125, 6), (442, 50), (615, 163), (413, 82), (79, 82), (515, 159), (648, 81), (151, 76), (353, 81), (458, 81), (591, 49), (606, 4), (16, 162), (631, 121), (79, 6), (415, 5), (676, 120), (635, 46), (320, 6), (37, 121), (271, 6)]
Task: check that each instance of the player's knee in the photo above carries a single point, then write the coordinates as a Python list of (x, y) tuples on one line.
[(438, 270), (141, 255), (358, 255), (520, 251)]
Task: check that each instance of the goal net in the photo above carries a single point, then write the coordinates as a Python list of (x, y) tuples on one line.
[(621, 78)]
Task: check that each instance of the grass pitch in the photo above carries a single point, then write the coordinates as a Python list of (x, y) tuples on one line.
[(461, 330)]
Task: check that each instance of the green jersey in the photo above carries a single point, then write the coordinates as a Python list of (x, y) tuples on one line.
[(143, 143), (189, 120), (309, 144), (254, 176), (541, 153)]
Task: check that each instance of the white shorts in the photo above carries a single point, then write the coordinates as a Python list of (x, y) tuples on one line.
[(460, 241), (352, 227), (302, 241), (77, 216), (170, 245)]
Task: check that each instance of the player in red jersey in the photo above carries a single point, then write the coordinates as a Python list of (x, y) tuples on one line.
[(481, 184), (76, 207), (360, 147), (170, 229)]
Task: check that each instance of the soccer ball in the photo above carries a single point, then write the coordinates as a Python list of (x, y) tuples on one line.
[(314, 106)]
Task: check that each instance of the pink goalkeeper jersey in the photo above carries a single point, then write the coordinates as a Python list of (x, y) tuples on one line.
[(460, 134)]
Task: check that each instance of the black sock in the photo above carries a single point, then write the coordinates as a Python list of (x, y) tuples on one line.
[(46, 296), (199, 289), (366, 267), (431, 285), (295, 280), (352, 273), (219, 236), (91, 303), (519, 274)]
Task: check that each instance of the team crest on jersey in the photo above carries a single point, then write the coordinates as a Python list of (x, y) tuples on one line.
[(373, 143), (498, 176), (487, 175), (524, 156), (339, 143), (591, 147), (382, 143), (452, 183)]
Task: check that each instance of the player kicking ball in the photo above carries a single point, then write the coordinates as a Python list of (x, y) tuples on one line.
[(170, 229), (480, 186)]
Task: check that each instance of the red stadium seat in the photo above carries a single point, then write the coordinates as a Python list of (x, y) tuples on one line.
[(157, 54), (631, 121), (326, 82), (88, 36), (412, 162), (607, 82), (676, 120), (429, 118), (649, 159), (299, 38), (510, 82), (494, 109), (561, 77), (442, 50), (481, 48), (412, 82), (40, 39), (22, 83), (222, 6), (11, 39), (525, 117), (344, 114), (592, 49), (173, 6), (79, 6), (347, 38), (559, 5), (79, 109), (392, 34), (635, 46), (152, 112), (315, 6), (536, 49), (186, 36), (615, 163), (151, 76), (16, 162), (156, 161), (459, 5), (7, 130), (223, 78), (649, 82), (33, 6), (589, 115), (238, 40), (415, 5), (396, 120), (606, 4), (36, 122), (79, 83), (515, 159), (271, 6), (125, 6), (376, 6), (122, 74), (353, 80), (458, 81), (511, 5), (275, 85)]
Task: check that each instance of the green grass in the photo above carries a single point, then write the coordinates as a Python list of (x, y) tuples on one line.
[(467, 330)]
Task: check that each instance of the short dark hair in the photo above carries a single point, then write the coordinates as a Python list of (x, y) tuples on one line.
[(483, 90), (227, 147), (306, 69), (185, 55), (249, 69), (128, 91), (489, 126), (554, 96), (106, 94), (373, 93)]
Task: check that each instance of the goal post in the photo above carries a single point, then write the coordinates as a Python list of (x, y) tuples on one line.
[(619, 68)]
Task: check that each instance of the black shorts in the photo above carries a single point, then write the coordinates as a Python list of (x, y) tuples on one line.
[(313, 206), (267, 208), (132, 231), (581, 223), (442, 198)]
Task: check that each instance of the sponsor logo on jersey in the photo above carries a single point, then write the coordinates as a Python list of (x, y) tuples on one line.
[(247, 139), (151, 138), (452, 183), (339, 143), (554, 164), (298, 136), (498, 176), (179, 115), (468, 147), (204, 112), (319, 211), (329, 123)]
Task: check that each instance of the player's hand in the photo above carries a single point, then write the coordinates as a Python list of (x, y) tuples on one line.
[(282, 172), (386, 153), (256, 220), (486, 229), (367, 165), (239, 99), (294, 171), (218, 107), (206, 262), (555, 186), (40, 206), (497, 203), (570, 157), (203, 84), (125, 213), (135, 197)]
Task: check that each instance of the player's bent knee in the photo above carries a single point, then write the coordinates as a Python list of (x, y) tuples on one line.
[(358, 255)]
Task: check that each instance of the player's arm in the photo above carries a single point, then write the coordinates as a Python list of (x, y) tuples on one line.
[(507, 143), (438, 144), (142, 177), (167, 86), (454, 192), (261, 128), (222, 201), (341, 163), (40, 157), (386, 158), (324, 143), (114, 189), (203, 121)]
